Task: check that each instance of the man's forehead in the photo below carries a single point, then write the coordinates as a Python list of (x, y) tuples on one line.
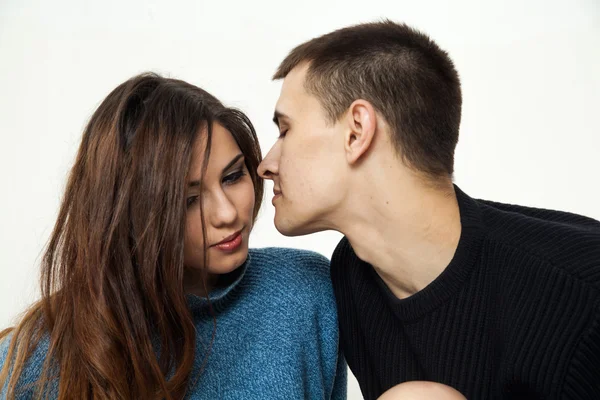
[(292, 89), (293, 83)]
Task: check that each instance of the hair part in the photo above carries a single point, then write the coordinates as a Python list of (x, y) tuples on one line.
[(407, 78)]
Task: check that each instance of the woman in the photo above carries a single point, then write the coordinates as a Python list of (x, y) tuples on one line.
[(149, 290)]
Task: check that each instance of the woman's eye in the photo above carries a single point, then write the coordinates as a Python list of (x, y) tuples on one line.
[(282, 134), (234, 177), (191, 200)]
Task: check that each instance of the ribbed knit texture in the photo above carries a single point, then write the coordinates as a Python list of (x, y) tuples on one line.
[(276, 338), (515, 315)]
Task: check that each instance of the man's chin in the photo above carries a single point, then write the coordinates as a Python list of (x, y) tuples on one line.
[(287, 228)]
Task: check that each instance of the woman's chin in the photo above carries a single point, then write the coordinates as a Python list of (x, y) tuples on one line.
[(224, 263)]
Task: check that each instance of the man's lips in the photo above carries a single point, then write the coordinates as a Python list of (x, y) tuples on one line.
[(276, 195)]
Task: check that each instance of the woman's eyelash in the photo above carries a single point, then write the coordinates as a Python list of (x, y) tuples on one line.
[(191, 200), (282, 133), (228, 180), (234, 177)]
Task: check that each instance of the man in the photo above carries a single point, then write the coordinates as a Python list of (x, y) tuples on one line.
[(494, 300)]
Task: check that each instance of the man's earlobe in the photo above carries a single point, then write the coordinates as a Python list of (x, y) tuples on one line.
[(361, 128)]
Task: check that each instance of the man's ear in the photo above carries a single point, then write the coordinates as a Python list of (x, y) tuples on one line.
[(361, 126)]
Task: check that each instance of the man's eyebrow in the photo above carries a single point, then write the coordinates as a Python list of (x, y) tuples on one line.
[(277, 116)]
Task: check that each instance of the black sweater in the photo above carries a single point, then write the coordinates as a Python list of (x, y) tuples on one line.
[(516, 313)]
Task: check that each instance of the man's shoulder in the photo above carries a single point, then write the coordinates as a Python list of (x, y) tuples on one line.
[(343, 253), (348, 271), (565, 240), (536, 217)]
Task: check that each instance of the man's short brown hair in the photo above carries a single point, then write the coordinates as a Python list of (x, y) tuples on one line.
[(409, 80)]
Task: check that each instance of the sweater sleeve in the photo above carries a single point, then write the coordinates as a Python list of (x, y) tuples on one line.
[(329, 341), (340, 385), (583, 376), (329, 337), (27, 384), (3, 353), (24, 389), (308, 282)]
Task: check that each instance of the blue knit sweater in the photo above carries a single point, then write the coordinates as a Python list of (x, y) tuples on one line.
[(276, 337)]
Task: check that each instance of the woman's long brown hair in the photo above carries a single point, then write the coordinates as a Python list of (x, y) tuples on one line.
[(113, 310)]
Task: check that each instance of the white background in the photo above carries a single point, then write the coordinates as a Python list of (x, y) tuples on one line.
[(530, 72)]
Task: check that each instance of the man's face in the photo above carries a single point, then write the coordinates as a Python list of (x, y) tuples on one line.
[(307, 163)]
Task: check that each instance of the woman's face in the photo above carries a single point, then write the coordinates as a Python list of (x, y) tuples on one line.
[(227, 201)]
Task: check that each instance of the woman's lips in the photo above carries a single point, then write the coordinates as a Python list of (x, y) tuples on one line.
[(230, 243)]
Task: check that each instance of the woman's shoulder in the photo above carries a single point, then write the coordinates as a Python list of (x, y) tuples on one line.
[(293, 268), (288, 253), (285, 260), (296, 284)]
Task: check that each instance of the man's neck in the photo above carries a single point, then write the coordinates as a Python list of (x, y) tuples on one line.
[(408, 236)]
